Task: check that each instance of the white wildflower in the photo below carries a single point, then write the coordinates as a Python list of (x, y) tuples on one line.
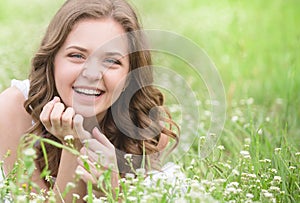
[(69, 138), (260, 131), (292, 167), (140, 171), (234, 118), (76, 196), (265, 161), (29, 152), (221, 147), (79, 172), (21, 198), (129, 176), (245, 154), (250, 101), (84, 157), (235, 184), (71, 185), (277, 150), (249, 196), (235, 172), (273, 170), (277, 178), (250, 175), (268, 195), (128, 156), (274, 188), (230, 190), (247, 140)]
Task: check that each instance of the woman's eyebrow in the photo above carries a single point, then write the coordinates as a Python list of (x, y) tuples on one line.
[(114, 53), (77, 47)]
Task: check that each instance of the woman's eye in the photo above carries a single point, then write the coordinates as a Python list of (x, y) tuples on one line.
[(112, 61), (77, 56)]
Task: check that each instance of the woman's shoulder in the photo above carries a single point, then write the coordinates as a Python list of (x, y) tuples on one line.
[(12, 105)]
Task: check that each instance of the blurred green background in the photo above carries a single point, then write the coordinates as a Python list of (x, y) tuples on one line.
[(255, 45)]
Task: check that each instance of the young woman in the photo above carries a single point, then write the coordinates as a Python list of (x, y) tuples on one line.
[(91, 78)]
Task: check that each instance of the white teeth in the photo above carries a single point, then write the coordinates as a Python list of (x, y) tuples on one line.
[(88, 91)]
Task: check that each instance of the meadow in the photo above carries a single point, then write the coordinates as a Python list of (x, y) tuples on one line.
[(255, 47)]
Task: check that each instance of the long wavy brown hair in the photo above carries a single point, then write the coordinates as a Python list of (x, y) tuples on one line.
[(130, 139)]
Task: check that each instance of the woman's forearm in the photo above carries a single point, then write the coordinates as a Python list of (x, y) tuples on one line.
[(66, 174)]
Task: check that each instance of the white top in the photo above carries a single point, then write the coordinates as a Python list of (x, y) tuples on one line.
[(22, 85)]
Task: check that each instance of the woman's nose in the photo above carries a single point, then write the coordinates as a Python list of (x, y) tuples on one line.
[(92, 70)]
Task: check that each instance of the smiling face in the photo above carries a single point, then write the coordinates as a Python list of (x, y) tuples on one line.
[(90, 68)]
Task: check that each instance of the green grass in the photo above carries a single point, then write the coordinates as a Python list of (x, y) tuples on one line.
[(255, 46)]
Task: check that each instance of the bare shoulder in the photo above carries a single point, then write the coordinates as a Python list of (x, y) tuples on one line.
[(14, 120), (12, 105)]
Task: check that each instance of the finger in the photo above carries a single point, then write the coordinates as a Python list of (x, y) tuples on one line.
[(100, 155), (102, 138), (85, 175), (56, 99), (78, 126), (56, 113), (93, 166), (67, 118), (94, 145), (45, 114), (96, 156)]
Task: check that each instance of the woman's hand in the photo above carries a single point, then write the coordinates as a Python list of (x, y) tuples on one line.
[(61, 121), (100, 156)]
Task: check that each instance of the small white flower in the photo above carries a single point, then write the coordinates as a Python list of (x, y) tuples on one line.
[(21, 198), (277, 178), (268, 195), (249, 196), (76, 196), (250, 175), (274, 188), (221, 147), (292, 167), (140, 171), (84, 157), (297, 154), (131, 198), (79, 172), (235, 184), (69, 138), (247, 140), (128, 156), (265, 161), (71, 185), (260, 131), (250, 101), (234, 118), (245, 154), (231, 190), (129, 175), (235, 172), (29, 152), (277, 150), (273, 170)]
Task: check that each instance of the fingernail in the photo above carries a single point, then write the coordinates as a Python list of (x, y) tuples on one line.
[(56, 98), (96, 130)]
